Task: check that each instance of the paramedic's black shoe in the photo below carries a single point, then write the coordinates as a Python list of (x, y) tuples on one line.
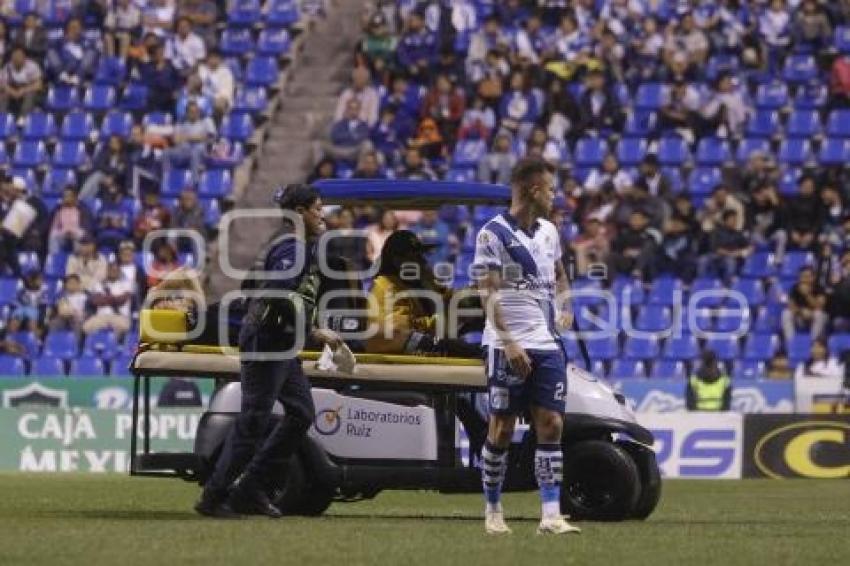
[(211, 505), (249, 499)]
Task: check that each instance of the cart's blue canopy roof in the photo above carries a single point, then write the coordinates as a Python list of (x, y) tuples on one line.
[(410, 194)]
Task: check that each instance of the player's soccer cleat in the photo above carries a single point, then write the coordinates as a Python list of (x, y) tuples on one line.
[(556, 525), (494, 523)]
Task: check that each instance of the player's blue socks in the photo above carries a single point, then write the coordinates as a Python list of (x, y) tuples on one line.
[(548, 469), (494, 463)]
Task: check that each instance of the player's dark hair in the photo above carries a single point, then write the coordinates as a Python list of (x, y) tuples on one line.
[(292, 196), (526, 171)]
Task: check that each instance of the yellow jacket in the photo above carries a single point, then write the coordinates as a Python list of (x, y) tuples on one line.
[(396, 317)]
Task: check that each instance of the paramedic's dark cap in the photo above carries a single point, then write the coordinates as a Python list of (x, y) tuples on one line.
[(291, 196)]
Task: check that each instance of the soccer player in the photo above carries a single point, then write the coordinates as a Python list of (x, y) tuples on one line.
[(519, 269)]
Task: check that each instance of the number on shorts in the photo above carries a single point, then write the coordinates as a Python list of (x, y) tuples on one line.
[(560, 389)]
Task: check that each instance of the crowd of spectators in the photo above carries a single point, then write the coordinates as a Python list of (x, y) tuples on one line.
[(693, 140)]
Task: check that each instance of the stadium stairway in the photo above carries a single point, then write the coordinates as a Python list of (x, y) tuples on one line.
[(319, 72)]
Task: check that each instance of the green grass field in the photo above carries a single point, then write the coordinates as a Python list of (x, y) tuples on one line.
[(117, 520)]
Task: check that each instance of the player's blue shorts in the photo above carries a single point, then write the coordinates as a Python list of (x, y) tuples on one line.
[(545, 386)]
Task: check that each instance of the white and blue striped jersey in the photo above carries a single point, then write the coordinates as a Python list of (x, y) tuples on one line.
[(526, 261)]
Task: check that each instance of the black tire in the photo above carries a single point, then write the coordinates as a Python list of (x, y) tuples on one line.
[(650, 478), (289, 488), (601, 482)]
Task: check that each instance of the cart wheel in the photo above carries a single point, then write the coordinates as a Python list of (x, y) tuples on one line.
[(650, 478), (601, 481), (288, 491)]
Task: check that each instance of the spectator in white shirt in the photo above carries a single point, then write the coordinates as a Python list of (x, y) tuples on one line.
[(123, 22), (362, 91), (186, 48), (609, 176), (727, 109), (190, 141), (20, 83), (820, 364), (113, 299), (217, 82), (158, 18), (71, 306)]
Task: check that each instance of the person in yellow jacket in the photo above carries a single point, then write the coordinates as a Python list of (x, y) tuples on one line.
[(407, 303), (709, 388)]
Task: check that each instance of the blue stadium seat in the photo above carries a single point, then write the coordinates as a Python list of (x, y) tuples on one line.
[(764, 124), (87, 366), (29, 341), (721, 63), (798, 348), (29, 177), (628, 291), (793, 262), (712, 151), (749, 369), (39, 125), (99, 98), (834, 152), (663, 289), (772, 96), (640, 123), (47, 366), (468, 153), (8, 290), (627, 369), (111, 71), (135, 97), (101, 344), (120, 366), (838, 343), (157, 119), (11, 366), (639, 348), (759, 264), (61, 344), (236, 42), (766, 321), (799, 68), (282, 14), (748, 146), (838, 123), (29, 261), (116, 123), (30, 154), (732, 320), (803, 124), (237, 126), (77, 125), (589, 152), (261, 71), (751, 289), (654, 318), (726, 347), (244, 13), (603, 348), (673, 150), (250, 100), (8, 126), (174, 181), (794, 151), (274, 42), (70, 154), (811, 96), (668, 369), (57, 179), (761, 347), (704, 284), (62, 98), (650, 96), (631, 151), (215, 183), (703, 180)]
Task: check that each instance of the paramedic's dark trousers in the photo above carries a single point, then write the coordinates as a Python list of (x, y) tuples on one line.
[(251, 447)]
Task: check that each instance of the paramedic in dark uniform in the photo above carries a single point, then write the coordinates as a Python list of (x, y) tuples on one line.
[(252, 453)]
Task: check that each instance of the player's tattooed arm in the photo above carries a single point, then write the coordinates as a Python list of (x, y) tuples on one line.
[(562, 300)]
